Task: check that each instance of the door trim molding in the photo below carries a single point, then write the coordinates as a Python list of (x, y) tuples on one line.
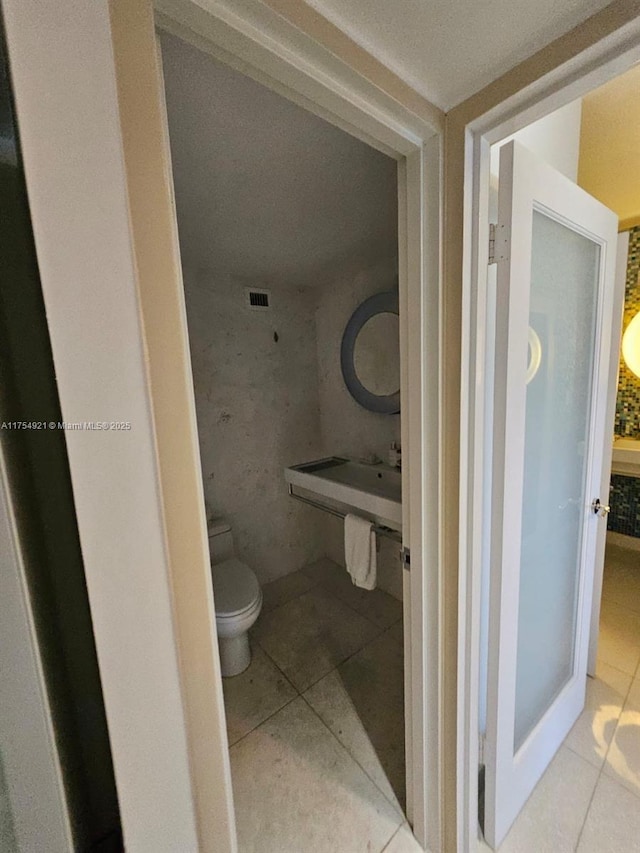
[(92, 265), (268, 48), (622, 251), (261, 43), (608, 45)]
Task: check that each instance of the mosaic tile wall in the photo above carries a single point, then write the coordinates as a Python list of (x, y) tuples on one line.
[(624, 496), (628, 402), (624, 499)]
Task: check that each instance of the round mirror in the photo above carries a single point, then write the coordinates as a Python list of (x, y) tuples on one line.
[(370, 354), (376, 355)]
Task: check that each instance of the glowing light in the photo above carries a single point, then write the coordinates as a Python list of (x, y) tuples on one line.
[(535, 354), (631, 345)]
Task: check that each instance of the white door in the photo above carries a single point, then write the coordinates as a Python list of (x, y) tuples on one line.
[(556, 251)]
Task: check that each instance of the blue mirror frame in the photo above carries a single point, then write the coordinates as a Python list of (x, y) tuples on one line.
[(379, 303)]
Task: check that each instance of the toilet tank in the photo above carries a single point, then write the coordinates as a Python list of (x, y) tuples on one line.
[(220, 540)]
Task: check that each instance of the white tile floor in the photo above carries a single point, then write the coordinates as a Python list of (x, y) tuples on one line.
[(589, 799), (316, 724), (316, 728)]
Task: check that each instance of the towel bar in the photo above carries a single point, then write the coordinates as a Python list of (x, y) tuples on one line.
[(379, 529)]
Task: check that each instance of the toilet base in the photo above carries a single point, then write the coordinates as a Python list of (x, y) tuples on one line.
[(235, 654)]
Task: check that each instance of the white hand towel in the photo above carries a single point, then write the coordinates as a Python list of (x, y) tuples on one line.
[(360, 551)]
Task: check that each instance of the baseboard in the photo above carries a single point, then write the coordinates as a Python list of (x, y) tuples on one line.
[(623, 541)]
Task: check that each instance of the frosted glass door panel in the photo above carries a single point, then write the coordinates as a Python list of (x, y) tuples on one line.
[(562, 318)]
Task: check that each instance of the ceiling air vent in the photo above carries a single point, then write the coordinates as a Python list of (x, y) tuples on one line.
[(257, 299)]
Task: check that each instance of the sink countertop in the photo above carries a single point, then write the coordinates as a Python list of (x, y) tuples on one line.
[(372, 490), (626, 456)]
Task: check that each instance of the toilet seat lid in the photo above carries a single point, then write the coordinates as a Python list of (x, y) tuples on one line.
[(235, 587)]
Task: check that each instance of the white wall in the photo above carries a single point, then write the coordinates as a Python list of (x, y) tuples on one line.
[(555, 138), (258, 411), (263, 186)]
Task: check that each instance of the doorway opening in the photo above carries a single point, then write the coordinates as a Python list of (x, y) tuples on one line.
[(587, 792), (289, 240)]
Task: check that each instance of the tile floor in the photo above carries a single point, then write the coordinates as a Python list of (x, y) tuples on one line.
[(316, 728), (589, 799), (316, 724)]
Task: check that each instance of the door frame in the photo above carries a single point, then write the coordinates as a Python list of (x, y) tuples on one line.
[(622, 252), (415, 144), (506, 108), (113, 267)]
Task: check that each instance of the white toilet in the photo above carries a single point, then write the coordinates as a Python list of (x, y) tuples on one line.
[(237, 596)]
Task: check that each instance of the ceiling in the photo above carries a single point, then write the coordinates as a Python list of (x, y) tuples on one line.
[(449, 49), (264, 189)]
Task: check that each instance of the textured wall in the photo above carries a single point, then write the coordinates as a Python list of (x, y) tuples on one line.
[(258, 411), (346, 428), (263, 405), (624, 496), (628, 400)]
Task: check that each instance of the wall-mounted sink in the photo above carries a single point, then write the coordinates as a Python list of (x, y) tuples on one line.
[(626, 457), (372, 491)]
